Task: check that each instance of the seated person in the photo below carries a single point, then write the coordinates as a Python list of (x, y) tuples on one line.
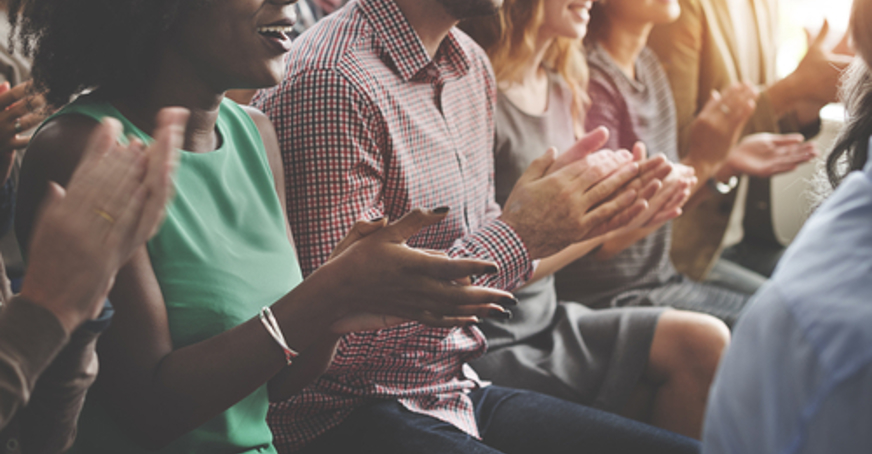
[(213, 318), (628, 360), (385, 106), (47, 357), (712, 45), (797, 377), (630, 95)]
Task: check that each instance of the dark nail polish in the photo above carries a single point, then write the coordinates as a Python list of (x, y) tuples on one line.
[(491, 269), (499, 314), (378, 219), (508, 301), (441, 210)]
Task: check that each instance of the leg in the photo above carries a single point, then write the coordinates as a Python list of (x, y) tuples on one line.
[(684, 357), (525, 422), (729, 275), (387, 427)]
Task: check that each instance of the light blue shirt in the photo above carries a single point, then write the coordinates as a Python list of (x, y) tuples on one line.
[(798, 375)]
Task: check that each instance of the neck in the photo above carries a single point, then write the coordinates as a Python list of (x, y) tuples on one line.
[(430, 20), (175, 83), (624, 41), (533, 69)]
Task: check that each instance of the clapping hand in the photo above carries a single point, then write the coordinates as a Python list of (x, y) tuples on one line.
[(384, 282)]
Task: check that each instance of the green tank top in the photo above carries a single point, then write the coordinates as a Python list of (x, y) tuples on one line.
[(220, 256)]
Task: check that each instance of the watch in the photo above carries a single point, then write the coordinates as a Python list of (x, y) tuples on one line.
[(723, 188)]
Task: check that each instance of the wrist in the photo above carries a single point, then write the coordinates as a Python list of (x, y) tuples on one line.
[(68, 317), (782, 94)]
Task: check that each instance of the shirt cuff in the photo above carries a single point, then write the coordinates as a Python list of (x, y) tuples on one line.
[(30, 336), (503, 245)]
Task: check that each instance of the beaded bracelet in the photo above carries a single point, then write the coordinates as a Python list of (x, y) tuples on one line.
[(272, 327)]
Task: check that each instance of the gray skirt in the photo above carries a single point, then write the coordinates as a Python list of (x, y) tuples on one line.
[(591, 357)]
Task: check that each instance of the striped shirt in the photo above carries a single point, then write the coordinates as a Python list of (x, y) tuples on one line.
[(369, 125)]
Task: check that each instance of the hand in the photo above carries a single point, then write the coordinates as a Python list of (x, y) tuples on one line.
[(816, 79), (666, 186), (384, 282), (765, 155), (114, 202), (558, 201), (19, 111), (719, 125)]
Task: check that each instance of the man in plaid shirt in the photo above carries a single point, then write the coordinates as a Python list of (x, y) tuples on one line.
[(386, 107)]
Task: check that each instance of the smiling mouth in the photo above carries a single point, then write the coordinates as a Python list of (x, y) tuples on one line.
[(275, 31)]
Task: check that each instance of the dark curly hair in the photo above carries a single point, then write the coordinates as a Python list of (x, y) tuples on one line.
[(78, 45), (851, 150)]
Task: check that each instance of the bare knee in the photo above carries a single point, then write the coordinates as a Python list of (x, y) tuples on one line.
[(687, 343)]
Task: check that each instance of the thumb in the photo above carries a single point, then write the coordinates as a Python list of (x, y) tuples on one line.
[(54, 194), (589, 143), (818, 40), (412, 222), (539, 167), (359, 230), (787, 139), (640, 152)]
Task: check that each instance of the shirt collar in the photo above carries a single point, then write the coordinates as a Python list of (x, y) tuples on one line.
[(405, 49)]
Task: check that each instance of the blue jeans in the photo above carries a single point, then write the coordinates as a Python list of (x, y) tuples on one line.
[(511, 421)]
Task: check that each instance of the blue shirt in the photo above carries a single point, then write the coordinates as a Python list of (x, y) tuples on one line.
[(798, 375)]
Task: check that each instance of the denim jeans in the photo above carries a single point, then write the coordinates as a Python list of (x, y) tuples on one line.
[(510, 421)]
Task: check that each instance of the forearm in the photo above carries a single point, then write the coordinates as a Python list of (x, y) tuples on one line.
[(48, 423), (499, 243), (30, 338), (161, 393), (556, 262)]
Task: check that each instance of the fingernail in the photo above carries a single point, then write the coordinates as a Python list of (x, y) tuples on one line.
[(378, 219), (499, 314), (508, 301), (441, 210), (491, 269)]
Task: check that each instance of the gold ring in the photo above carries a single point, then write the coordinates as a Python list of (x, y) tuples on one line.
[(17, 126), (104, 215), (725, 109)]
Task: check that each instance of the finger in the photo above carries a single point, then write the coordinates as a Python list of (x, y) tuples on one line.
[(538, 167), (640, 151), (10, 96), (664, 216), (600, 166), (359, 230), (591, 142), (89, 174), (410, 224), (822, 35), (54, 194), (650, 190), (604, 189), (620, 219), (162, 158), (18, 142), (658, 168), (31, 120), (787, 139), (449, 269)]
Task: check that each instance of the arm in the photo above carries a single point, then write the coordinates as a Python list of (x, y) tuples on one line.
[(159, 393), (30, 337)]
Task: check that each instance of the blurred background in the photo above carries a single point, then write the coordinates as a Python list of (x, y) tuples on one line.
[(791, 198)]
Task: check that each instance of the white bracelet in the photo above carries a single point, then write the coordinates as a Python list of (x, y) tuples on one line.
[(272, 327)]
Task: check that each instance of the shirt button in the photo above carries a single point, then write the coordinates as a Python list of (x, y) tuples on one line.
[(12, 445)]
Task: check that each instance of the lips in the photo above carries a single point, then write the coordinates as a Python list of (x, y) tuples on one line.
[(277, 34)]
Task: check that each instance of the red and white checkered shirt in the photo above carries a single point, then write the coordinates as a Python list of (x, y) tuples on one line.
[(370, 126)]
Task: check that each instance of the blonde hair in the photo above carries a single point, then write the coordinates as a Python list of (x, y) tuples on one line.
[(510, 41)]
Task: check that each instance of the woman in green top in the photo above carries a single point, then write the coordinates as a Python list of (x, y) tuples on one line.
[(187, 365)]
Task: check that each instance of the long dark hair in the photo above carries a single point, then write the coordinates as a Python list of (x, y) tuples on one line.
[(852, 146)]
